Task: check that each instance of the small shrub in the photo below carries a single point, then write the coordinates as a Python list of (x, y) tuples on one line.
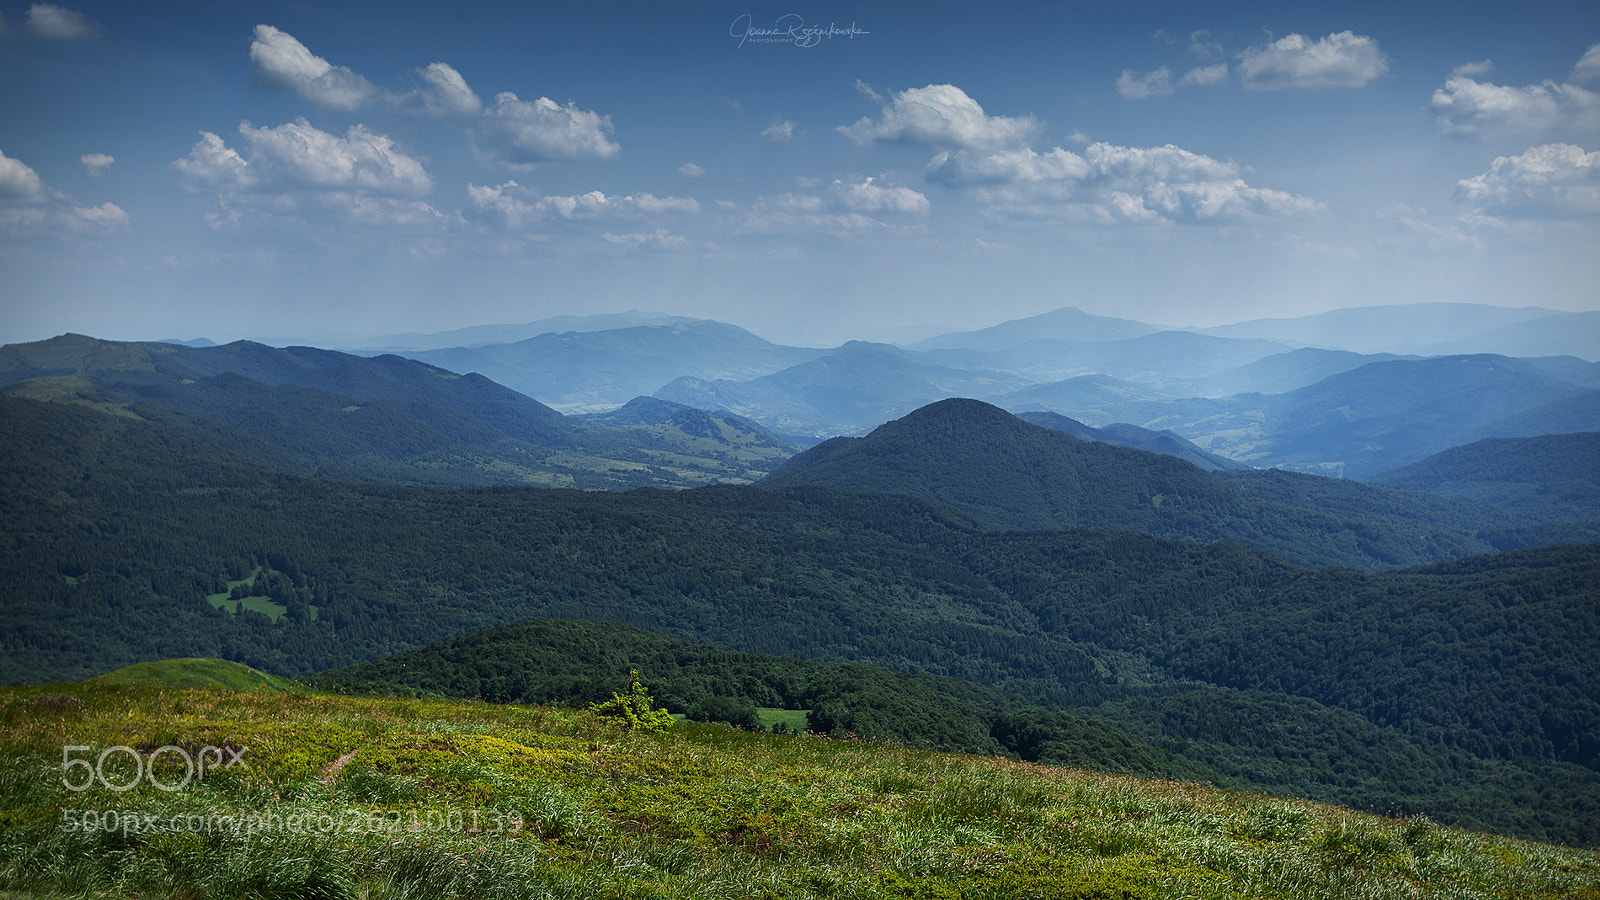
[(636, 708)]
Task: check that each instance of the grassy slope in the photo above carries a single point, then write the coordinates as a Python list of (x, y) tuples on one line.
[(364, 797), (197, 673)]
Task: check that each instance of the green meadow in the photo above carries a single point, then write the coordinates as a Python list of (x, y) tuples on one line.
[(145, 789)]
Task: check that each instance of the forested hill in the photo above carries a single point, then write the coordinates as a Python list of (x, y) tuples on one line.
[(1550, 475), (575, 663), (1007, 473), (1389, 690), (385, 418)]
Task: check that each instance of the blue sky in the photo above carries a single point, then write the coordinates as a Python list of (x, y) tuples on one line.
[(321, 170)]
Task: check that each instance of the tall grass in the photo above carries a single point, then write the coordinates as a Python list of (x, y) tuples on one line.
[(460, 799)]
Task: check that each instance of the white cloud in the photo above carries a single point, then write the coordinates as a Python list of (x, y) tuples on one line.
[(781, 132), (1552, 180), (1109, 183), (361, 177), (283, 62), (28, 206), (1136, 86), (1342, 59), (659, 238), (1133, 85), (96, 164), (1205, 76), (51, 21), (940, 115), (843, 207), (520, 134), (691, 170), (444, 93), (511, 206), (869, 197), (1466, 105), (963, 169), (1588, 68), (19, 182)]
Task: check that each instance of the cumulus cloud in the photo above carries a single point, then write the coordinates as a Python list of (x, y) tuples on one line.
[(940, 115), (659, 238), (1144, 85), (363, 176), (1342, 59), (444, 93), (511, 206), (51, 21), (1548, 181), (841, 207), (1205, 76), (283, 62), (1133, 85), (19, 182), (29, 206), (869, 197), (1110, 183), (521, 134), (1466, 105), (1588, 68), (691, 170), (781, 132), (96, 164)]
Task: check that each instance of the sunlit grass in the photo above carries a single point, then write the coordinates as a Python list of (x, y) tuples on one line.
[(341, 797)]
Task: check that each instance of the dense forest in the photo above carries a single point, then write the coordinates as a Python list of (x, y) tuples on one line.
[(572, 663), (1008, 473), (1463, 689)]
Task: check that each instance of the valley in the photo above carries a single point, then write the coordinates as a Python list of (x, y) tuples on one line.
[(1119, 587)]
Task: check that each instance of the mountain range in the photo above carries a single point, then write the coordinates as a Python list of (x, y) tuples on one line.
[(1418, 642), (387, 418)]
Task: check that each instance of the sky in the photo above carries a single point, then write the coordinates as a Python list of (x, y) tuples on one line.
[(814, 171)]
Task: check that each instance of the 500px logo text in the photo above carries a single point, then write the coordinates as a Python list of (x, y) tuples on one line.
[(79, 774)]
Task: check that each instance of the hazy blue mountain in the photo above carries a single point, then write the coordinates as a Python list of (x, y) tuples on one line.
[(1569, 368), (1412, 328), (383, 418), (1283, 372), (1007, 473), (1387, 414), (1065, 324), (749, 451), (1554, 477), (1085, 396), (1569, 415), (1163, 359), (591, 371), (1124, 435), (1560, 334), (1377, 417), (480, 335), (851, 389)]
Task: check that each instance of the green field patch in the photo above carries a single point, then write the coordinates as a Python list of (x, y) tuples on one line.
[(794, 720), (264, 605)]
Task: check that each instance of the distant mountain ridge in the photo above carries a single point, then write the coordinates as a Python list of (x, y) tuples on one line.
[(592, 371), (379, 418), (1007, 473)]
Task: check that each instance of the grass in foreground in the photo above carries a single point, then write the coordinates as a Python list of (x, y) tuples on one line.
[(346, 797)]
